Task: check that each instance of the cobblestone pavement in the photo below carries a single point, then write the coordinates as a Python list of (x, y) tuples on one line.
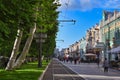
[(57, 71)]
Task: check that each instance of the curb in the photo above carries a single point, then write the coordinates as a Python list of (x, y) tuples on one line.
[(41, 77), (74, 71)]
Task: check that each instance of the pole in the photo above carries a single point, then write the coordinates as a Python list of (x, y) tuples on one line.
[(108, 43), (104, 50), (40, 51)]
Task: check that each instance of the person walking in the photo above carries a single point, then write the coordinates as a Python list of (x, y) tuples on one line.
[(105, 65), (98, 62)]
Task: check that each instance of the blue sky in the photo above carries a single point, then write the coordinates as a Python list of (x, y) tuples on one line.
[(86, 13)]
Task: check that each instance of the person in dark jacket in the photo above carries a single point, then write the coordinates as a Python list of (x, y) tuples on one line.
[(105, 65)]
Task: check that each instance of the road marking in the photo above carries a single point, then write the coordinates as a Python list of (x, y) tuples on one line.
[(66, 75), (104, 76), (100, 77)]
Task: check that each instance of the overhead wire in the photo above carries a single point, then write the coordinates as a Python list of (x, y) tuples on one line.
[(66, 4), (64, 16)]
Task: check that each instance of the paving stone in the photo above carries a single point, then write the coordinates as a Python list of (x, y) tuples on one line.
[(56, 69)]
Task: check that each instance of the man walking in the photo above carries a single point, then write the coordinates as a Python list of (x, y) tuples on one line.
[(105, 65)]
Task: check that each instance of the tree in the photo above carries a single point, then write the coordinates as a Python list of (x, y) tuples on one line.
[(51, 21), (26, 9), (29, 15)]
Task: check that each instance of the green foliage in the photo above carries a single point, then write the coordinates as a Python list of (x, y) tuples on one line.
[(20, 14), (26, 72), (47, 19), (15, 14), (51, 21), (33, 50)]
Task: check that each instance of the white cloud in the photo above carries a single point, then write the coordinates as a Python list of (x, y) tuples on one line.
[(112, 4), (69, 4), (85, 5)]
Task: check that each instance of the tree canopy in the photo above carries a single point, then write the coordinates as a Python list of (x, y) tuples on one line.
[(24, 15)]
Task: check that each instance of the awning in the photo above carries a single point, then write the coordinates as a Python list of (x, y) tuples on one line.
[(89, 54), (114, 50)]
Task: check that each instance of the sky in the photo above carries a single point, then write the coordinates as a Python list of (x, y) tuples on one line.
[(86, 13)]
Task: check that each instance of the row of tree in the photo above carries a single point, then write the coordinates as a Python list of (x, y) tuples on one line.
[(19, 21)]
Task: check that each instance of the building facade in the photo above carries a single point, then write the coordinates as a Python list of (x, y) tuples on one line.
[(102, 39), (82, 47), (92, 38), (110, 32)]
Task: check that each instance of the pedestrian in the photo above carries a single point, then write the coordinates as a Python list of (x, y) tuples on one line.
[(79, 60), (74, 58), (98, 62), (105, 65)]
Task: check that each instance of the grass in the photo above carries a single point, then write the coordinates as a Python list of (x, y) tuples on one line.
[(28, 71)]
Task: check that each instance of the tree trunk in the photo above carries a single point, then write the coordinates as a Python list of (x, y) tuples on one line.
[(13, 63), (26, 48), (15, 50), (22, 57)]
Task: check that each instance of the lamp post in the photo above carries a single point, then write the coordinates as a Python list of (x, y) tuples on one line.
[(60, 40), (105, 50), (108, 48), (40, 38)]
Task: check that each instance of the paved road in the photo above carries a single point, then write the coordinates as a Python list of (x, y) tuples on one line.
[(90, 71), (57, 71)]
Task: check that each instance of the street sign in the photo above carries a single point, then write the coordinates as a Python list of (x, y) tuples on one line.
[(41, 40), (40, 35)]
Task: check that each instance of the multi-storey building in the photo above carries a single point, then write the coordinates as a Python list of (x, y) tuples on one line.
[(103, 38), (92, 38), (75, 50), (82, 47), (71, 50), (66, 51), (62, 53), (110, 33)]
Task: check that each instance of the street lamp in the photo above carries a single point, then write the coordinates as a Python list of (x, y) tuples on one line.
[(60, 40), (40, 38)]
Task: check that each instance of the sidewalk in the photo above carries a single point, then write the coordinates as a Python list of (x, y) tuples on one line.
[(91, 71), (57, 71)]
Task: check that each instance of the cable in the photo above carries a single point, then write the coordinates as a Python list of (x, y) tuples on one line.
[(67, 6)]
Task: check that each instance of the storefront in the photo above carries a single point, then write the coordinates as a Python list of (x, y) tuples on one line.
[(115, 53), (99, 50), (90, 57), (115, 57)]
